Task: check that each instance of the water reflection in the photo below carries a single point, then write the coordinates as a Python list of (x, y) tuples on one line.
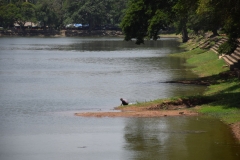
[(81, 44), (176, 138), (143, 136)]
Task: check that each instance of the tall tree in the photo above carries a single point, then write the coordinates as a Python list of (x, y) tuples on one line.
[(184, 9), (26, 13), (224, 11), (86, 11), (8, 14), (115, 11), (47, 12), (212, 14), (135, 21), (94, 12), (145, 18)]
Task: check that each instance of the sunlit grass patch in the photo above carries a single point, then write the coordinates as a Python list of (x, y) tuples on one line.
[(188, 54), (202, 58), (207, 64), (228, 115), (210, 68)]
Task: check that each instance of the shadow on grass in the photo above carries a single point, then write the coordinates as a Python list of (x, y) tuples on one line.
[(209, 80), (225, 91), (227, 100)]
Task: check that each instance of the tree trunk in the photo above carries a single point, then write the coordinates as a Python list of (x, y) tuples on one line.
[(215, 33), (184, 34), (184, 29)]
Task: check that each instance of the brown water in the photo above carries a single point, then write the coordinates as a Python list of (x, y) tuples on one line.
[(44, 81)]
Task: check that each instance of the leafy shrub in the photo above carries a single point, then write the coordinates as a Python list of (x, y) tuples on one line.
[(226, 48)]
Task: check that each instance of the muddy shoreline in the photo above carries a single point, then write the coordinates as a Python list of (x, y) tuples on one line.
[(165, 108), (138, 112), (148, 112)]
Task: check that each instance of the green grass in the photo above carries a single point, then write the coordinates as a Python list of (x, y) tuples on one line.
[(225, 88), (188, 54), (203, 58), (207, 64), (227, 100)]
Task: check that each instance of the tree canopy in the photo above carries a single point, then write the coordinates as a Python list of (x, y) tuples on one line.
[(138, 19), (59, 13), (143, 18)]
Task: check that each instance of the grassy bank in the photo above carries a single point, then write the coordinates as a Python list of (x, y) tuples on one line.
[(224, 89), (222, 97)]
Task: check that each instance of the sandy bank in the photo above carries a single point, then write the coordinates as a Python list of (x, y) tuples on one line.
[(132, 111), (236, 130)]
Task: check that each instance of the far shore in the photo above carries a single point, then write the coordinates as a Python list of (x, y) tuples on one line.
[(59, 33), (70, 33)]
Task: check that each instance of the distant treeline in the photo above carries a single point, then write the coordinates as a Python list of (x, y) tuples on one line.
[(137, 18), (58, 14)]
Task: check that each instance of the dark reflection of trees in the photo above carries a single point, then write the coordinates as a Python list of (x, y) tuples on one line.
[(217, 140), (143, 137), (118, 44), (174, 138)]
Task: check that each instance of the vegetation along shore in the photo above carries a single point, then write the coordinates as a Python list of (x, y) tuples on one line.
[(220, 100)]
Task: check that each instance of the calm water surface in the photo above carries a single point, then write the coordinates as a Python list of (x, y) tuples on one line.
[(44, 81)]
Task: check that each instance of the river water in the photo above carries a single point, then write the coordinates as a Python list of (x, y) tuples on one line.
[(44, 81)]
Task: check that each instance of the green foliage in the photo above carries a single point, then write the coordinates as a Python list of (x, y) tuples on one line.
[(139, 19), (94, 12), (21, 12), (159, 20), (144, 19), (134, 23), (211, 12), (45, 14), (8, 14), (56, 13), (222, 13), (26, 13), (226, 48)]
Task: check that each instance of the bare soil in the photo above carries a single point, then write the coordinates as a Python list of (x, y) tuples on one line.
[(137, 113), (166, 109), (236, 130)]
